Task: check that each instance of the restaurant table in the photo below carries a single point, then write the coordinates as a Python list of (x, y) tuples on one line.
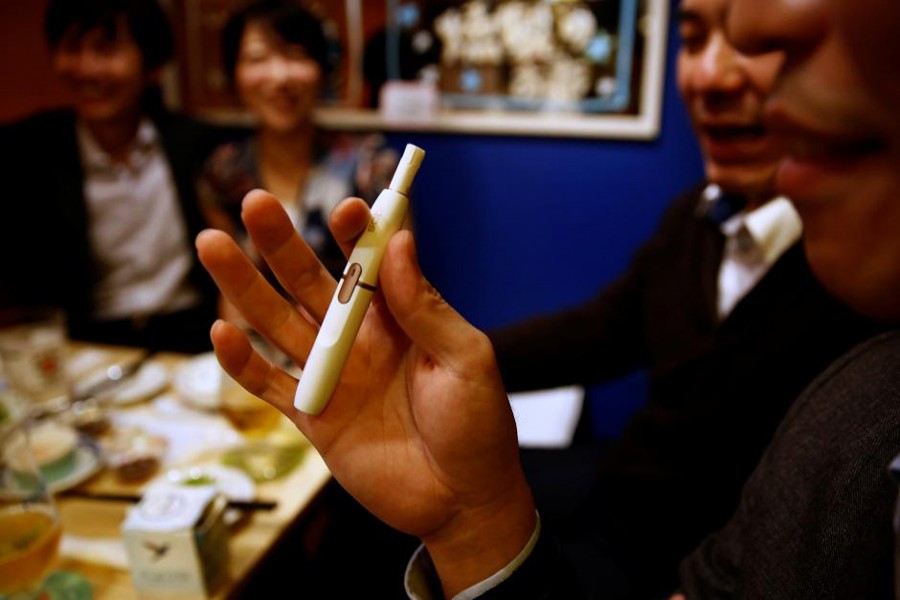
[(251, 539)]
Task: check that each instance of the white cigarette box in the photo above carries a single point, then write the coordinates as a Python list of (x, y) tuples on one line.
[(177, 542)]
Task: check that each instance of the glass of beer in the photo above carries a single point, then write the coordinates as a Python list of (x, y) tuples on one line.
[(261, 455), (29, 523), (253, 417)]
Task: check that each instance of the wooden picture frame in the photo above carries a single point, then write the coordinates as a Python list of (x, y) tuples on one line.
[(620, 52)]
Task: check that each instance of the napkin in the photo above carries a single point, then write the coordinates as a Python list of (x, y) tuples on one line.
[(547, 418)]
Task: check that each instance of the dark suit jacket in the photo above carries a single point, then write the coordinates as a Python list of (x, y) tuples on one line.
[(717, 390), (45, 242)]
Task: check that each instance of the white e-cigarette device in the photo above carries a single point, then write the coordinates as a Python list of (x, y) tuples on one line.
[(355, 290)]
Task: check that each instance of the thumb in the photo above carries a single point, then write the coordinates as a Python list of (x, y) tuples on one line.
[(422, 313)]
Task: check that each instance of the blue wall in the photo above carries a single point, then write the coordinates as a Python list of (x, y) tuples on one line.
[(508, 227)]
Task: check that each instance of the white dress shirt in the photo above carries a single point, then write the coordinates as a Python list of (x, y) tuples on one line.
[(754, 242), (417, 578), (137, 233)]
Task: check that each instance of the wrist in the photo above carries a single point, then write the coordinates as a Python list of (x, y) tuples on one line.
[(482, 539)]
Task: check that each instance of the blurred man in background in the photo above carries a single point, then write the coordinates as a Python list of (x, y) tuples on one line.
[(722, 311), (110, 180)]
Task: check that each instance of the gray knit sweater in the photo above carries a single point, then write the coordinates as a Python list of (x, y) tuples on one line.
[(815, 517)]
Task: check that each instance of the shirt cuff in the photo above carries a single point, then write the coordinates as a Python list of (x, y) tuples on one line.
[(422, 582)]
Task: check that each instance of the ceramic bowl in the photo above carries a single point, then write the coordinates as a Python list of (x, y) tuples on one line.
[(53, 446)]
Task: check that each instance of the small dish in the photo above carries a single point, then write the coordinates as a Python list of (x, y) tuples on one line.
[(86, 463), (263, 460), (232, 483), (84, 361), (133, 453), (115, 385), (53, 447), (196, 382), (88, 417), (151, 379)]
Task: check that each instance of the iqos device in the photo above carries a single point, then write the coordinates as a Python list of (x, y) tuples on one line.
[(355, 289)]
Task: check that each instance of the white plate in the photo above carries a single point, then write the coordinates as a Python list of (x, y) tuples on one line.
[(234, 484), (84, 361), (196, 381), (150, 380), (87, 463)]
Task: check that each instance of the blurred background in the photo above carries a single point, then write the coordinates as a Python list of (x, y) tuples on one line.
[(508, 225)]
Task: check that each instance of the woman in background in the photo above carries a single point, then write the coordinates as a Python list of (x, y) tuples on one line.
[(278, 57)]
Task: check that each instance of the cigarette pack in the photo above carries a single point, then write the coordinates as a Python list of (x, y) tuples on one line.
[(177, 542)]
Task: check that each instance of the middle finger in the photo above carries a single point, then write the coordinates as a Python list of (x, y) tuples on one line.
[(291, 259), (241, 283)]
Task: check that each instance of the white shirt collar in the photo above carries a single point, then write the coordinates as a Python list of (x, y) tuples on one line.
[(774, 226), (94, 157)]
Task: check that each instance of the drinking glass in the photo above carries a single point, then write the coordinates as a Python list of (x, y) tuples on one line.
[(262, 455), (253, 417), (29, 523), (33, 353)]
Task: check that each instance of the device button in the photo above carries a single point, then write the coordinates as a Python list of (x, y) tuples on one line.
[(348, 284)]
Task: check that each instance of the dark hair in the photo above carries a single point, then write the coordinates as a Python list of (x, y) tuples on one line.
[(145, 19), (286, 18)]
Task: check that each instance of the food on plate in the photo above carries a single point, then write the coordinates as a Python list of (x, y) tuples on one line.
[(133, 453), (88, 417)]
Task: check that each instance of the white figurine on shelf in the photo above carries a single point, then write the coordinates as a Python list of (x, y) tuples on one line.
[(569, 79), (480, 33), (576, 27), (448, 27), (526, 81), (526, 31)]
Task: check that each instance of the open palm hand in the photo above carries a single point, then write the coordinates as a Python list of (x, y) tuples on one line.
[(419, 428)]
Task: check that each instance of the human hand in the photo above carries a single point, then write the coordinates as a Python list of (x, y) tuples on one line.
[(419, 428), (227, 312)]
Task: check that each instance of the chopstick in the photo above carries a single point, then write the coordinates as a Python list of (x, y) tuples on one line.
[(134, 498)]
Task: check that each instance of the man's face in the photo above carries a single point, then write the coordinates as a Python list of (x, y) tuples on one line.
[(104, 71), (835, 104), (724, 92)]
